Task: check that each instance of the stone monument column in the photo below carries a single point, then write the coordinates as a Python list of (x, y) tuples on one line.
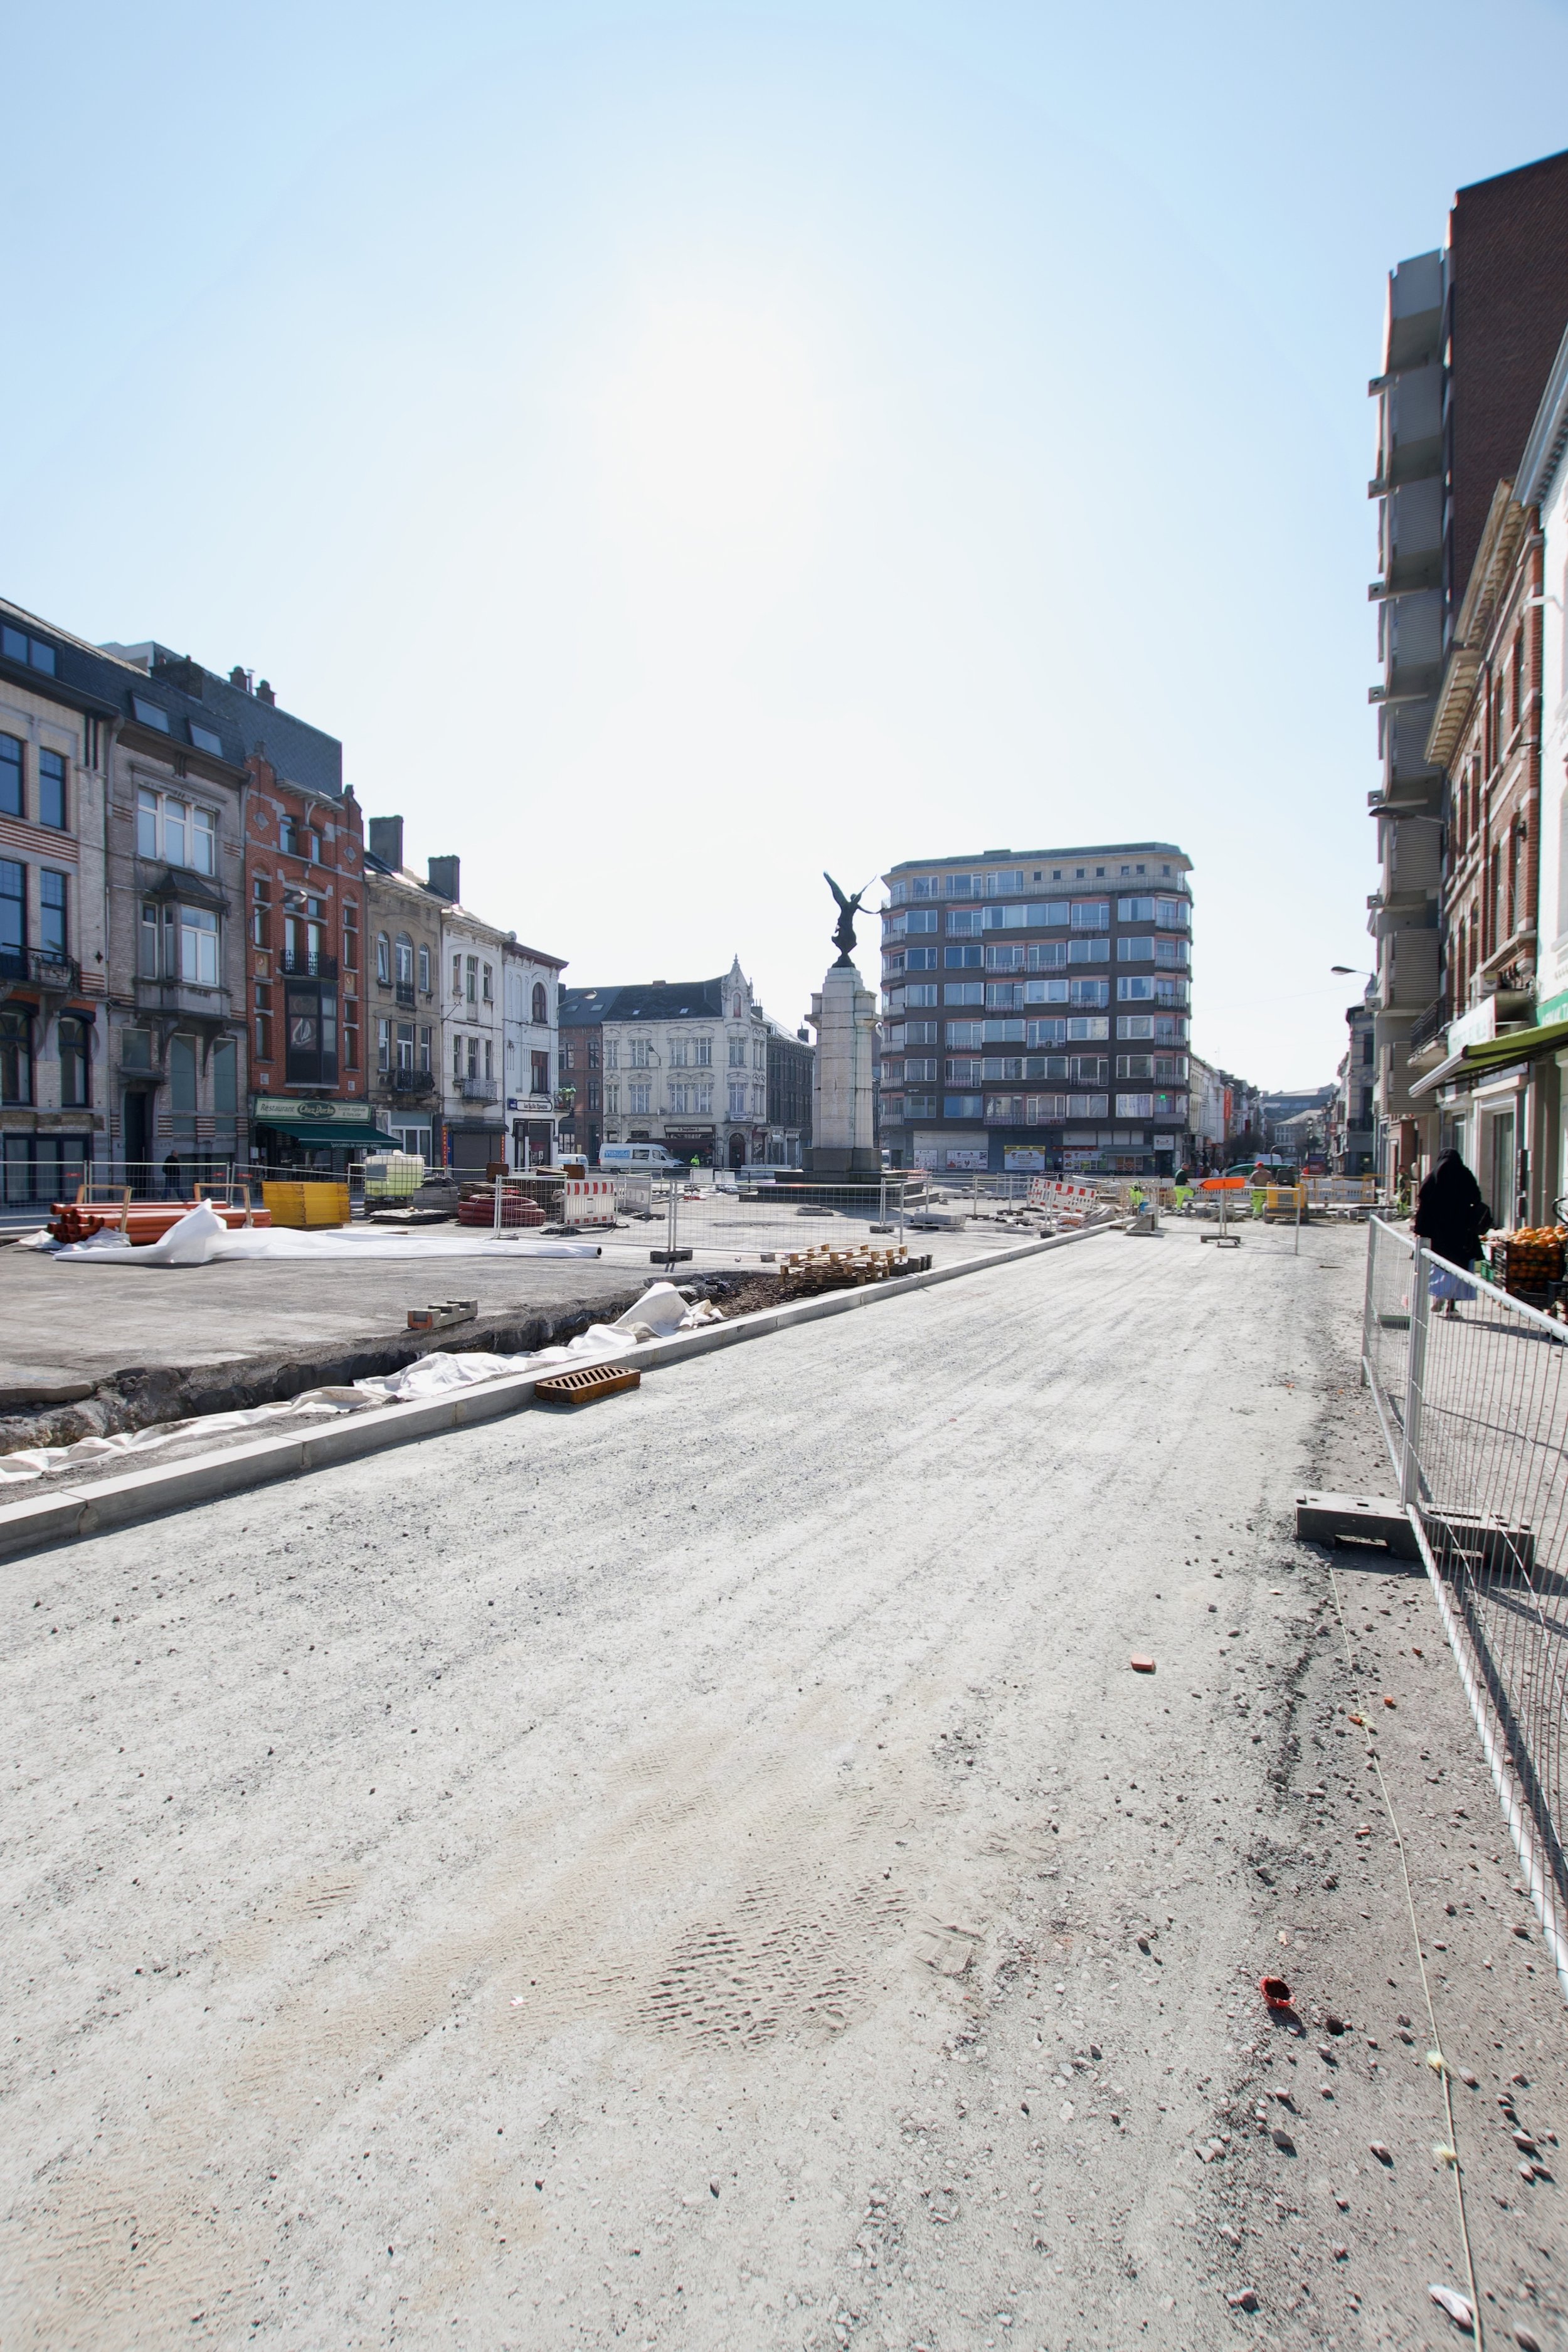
[(843, 1097)]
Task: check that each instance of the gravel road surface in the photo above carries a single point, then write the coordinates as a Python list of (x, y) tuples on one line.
[(702, 1872)]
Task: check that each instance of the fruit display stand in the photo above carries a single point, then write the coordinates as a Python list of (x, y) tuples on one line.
[(1528, 1264)]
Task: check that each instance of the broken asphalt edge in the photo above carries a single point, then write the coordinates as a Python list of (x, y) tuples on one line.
[(46, 1520)]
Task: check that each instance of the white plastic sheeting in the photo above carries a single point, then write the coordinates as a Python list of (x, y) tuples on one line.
[(660, 1311), (201, 1238)]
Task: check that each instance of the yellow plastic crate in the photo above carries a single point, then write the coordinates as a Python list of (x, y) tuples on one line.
[(307, 1203)]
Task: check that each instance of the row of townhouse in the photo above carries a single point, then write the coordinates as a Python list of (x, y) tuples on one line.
[(697, 1066), (1459, 1039), (202, 962), (1469, 1004)]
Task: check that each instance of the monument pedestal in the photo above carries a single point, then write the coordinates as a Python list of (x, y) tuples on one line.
[(843, 1093)]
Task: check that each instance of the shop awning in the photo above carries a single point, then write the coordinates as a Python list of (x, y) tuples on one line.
[(1473, 1062), (332, 1131)]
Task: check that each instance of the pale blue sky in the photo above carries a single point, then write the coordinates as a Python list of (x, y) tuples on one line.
[(678, 448)]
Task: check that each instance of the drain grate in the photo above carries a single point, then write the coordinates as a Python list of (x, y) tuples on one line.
[(587, 1386)]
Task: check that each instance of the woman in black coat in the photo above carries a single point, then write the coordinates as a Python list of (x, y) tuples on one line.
[(1450, 1218)]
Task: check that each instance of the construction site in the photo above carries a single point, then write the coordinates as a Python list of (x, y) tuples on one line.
[(887, 1836)]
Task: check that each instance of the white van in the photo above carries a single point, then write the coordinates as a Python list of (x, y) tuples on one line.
[(650, 1156)]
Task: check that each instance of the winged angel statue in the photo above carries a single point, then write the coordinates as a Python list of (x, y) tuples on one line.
[(844, 930)]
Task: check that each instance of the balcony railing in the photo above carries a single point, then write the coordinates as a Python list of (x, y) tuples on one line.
[(1430, 1029), (39, 968), (406, 1082), (477, 1089), (185, 996), (294, 964)]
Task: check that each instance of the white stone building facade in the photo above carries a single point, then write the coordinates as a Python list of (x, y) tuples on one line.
[(531, 1018)]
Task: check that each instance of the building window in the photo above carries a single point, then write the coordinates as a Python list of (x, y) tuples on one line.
[(962, 1107), (11, 803), (737, 1053), (350, 1033), (638, 1102), (52, 923), (737, 1102), (425, 1049), (541, 1005), (52, 790), (1091, 914), (16, 1055), (313, 844), (18, 646), (226, 1079), (73, 1044), (612, 1101), (425, 970), (406, 1044), (471, 971), (405, 961), (260, 912), (198, 947), (384, 959), (183, 1080), (384, 1044), (262, 1003), (641, 1055), (13, 909), (541, 1079), (350, 936), (489, 1060), (311, 1014), (487, 991), (175, 831)]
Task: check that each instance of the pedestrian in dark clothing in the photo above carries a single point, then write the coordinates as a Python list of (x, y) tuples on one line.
[(172, 1177), (1450, 1218)]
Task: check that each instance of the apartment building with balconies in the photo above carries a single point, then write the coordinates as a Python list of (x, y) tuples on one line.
[(54, 1052), (1036, 1011)]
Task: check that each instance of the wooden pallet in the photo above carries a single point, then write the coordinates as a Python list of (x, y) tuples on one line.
[(587, 1386)]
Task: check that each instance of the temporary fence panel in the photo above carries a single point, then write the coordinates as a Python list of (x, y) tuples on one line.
[(1342, 1192), (588, 1201), (1471, 1389)]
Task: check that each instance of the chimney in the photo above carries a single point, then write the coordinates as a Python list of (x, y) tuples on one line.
[(264, 693), (443, 872), (386, 841), (240, 678)]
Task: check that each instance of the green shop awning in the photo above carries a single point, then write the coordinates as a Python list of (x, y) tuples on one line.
[(340, 1131), (1476, 1062)]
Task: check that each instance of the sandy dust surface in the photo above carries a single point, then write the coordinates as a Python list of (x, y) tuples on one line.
[(702, 1872)]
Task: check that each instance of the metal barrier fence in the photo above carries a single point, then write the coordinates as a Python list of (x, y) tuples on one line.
[(763, 1221), (36, 1182), (1472, 1394)]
